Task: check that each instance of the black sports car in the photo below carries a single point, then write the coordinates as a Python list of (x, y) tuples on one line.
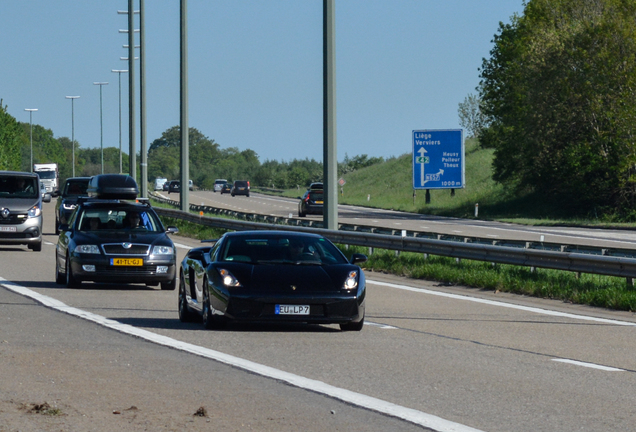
[(111, 240), (272, 276)]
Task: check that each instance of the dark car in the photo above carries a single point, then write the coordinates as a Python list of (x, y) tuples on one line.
[(114, 240), (311, 203), (241, 187), (274, 277), (174, 186), (227, 188), (20, 209), (166, 186), (74, 188)]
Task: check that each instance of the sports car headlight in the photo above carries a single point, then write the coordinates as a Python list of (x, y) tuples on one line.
[(34, 211), (352, 280), (87, 249), (228, 278), (162, 250), (68, 206)]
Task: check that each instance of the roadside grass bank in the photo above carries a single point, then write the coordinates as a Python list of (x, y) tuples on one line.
[(593, 290), (389, 185)]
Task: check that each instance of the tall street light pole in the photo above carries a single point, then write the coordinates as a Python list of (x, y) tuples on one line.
[(101, 122), (72, 98), (119, 71), (30, 110)]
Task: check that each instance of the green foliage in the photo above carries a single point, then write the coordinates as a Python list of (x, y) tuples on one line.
[(11, 139), (560, 93), (471, 116), (357, 162)]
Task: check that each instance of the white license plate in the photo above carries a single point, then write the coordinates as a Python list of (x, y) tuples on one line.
[(8, 229), (292, 309)]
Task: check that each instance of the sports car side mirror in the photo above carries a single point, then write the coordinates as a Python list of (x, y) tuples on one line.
[(172, 230), (358, 258), (63, 227)]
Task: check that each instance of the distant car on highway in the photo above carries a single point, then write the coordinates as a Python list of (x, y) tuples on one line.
[(46, 196), (273, 277), (74, 188), (312, 202), (227, 188), (174, 186), (218, 184), (241, 187)]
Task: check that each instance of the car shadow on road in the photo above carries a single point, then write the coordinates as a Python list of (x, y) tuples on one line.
[(175, 324)]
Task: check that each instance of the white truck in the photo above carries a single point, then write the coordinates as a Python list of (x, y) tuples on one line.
[(159, 181), (49, 176)]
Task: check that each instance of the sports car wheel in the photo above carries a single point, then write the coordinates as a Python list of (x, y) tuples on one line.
[(352, 326), (71, 282), (185, 314), (59, 277), (209, 320), (169, 286)]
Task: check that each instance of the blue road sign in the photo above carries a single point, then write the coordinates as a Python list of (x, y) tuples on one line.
[(438, 159)]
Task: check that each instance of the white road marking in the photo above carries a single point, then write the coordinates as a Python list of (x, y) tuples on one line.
[(382, 326), (503, 304), (589, 365), (182, 246), (413, 416)]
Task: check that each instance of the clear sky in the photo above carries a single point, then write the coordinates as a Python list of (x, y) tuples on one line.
[(255, 69)]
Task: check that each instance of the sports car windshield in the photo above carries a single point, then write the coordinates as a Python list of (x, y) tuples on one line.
[(292, 250), (118, 219)]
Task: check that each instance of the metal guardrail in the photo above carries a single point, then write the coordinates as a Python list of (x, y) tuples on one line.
[(583, 260)]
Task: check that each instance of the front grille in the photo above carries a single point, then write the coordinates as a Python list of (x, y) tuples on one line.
[(13, 219), (119, 249), (120, 270)]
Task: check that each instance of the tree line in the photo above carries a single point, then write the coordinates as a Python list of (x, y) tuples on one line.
[(208, 161), (557, 103)]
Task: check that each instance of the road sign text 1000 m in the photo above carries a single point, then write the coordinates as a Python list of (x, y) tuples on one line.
[(438, 159)]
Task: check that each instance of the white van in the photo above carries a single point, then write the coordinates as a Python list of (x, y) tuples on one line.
[(159, 181)]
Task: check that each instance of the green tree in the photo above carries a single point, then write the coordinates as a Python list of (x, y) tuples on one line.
[(559, 92), (11, 139), (471, 117)]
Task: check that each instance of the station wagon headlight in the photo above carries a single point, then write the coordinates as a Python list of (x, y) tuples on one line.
[(162, 250), (352, 280), (228, 278), (87, 249), (34, 211)]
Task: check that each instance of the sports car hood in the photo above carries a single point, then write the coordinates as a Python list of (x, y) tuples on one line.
[(18, 205), (284, 278)]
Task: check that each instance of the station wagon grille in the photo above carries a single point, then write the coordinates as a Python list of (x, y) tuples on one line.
[(119, 249)]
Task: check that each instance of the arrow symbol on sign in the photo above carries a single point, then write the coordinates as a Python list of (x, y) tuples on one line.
[(439, 173), (422, 152)]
